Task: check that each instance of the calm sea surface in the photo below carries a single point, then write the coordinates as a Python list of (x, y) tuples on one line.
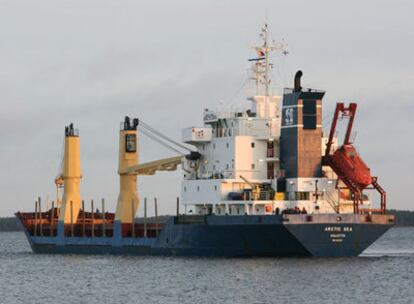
[(383, 274)]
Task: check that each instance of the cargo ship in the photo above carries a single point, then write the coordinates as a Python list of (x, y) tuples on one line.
[(265, 181)]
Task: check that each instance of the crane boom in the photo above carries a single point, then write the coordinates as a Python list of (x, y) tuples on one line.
[(247, 181), (149, 168), (255, 188)]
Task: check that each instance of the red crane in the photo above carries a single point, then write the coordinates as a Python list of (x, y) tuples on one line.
[(347, 164)]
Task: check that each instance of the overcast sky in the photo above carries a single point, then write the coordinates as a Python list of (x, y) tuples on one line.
[(92, 62)]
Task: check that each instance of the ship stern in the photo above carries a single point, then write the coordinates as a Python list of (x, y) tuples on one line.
[(337, 235)]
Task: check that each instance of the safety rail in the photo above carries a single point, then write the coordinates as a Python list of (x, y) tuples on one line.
[(88, 224), (269, 131), (292, 90)]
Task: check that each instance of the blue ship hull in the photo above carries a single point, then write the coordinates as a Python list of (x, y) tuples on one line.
[(234, 236)]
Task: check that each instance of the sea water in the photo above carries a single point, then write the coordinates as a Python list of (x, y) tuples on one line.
[(384, 273)]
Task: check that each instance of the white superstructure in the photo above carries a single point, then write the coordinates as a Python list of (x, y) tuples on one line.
[(238, 170)]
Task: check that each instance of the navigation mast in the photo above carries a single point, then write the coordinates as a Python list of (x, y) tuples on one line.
[(262, 64)]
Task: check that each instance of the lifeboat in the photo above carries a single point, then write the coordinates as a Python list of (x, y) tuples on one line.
[(350, 165)]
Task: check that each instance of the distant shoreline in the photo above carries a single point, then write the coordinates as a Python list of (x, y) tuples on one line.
[(405, 218)]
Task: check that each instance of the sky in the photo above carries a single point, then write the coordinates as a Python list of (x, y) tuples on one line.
[(91, 62)]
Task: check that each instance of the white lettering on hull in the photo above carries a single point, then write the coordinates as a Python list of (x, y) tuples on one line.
[(338, 237)]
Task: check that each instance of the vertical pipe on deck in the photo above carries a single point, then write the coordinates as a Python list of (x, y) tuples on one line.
[(178, 206), (58, 205), (83, 219), (145, 217), (40, 215), (339, 200), (47, 202), (103, 218), (156, 216), (52, 218), (132, 218), (93, 220), (71, 218), (35, 226)]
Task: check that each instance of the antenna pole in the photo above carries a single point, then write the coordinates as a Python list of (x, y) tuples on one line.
[(266, 51), (261, 65)]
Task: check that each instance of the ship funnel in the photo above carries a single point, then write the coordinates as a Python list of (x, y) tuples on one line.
[(298, 87), (301, 133), (71, 177)]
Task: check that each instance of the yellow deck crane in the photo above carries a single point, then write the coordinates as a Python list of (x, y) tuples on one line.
[(255, 188), (69, 178), (262, 189), (128, 169)]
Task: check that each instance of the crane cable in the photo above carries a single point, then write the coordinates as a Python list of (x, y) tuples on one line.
[(154, 138), (156, 135)]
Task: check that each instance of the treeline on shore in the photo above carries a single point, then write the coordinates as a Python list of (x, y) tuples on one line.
[(9, 224), (404, 219)]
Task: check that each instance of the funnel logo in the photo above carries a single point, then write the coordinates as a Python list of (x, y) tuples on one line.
[(289, 116)]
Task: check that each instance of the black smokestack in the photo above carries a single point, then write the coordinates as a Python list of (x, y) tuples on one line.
[(298, 87)]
